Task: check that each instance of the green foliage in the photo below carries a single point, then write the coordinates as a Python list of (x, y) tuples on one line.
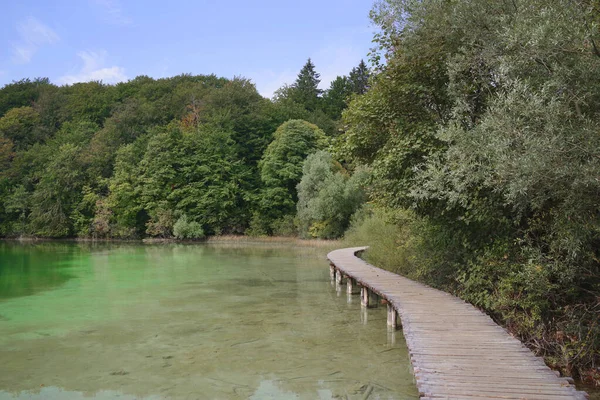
[(6, 154), (83, 215), (336, 97), (21, 93), (21, 126), (258, 226), (132, 159), (490, 135), (406, 243), (184, 229), (281, 165), (161, 222), (91, 101), (327, 197), (359, 78), (56, 193), (305, 90), (342, 88), (284, 226)]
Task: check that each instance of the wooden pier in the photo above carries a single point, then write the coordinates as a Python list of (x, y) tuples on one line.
[(457, 352)]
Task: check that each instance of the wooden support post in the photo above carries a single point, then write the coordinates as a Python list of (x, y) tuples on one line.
[(373, 299), (332, 271), (339, 277), (364, 296), (392, 316), (352, 286)]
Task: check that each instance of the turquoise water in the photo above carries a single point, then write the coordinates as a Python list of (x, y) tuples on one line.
[(174, 321)]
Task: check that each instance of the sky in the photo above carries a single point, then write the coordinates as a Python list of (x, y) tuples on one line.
[(266, 41)]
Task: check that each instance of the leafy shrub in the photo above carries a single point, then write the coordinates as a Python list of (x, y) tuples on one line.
[(394, 243), (161, 223), (327, 196), (284, 226), (518, 286), (258, 226), (184, 229)]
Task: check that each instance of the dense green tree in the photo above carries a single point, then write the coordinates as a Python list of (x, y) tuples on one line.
[(117, 132), (56, 193), (488, 134), (6, 154), (22, 126), (327, 196), (305, 90), (91, 101), (281, 165), (359, 78), (122, 210), (336, 97), (21, 93), (392, 126)]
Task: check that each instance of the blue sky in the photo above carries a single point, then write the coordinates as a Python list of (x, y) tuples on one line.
[(114, 40)]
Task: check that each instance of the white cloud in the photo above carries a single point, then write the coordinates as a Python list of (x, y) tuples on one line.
[(94, 69), (32, 35), (114, 12)]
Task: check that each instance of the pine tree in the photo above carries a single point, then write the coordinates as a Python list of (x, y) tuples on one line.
[(305, 90), (359, 78)]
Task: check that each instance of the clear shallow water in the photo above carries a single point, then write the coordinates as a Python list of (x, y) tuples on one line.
[(188, 322)]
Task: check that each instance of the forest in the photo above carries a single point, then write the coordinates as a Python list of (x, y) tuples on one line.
[(467, 155)]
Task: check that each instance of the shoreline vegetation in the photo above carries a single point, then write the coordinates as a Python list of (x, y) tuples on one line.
[(467, 159), (209, 240)]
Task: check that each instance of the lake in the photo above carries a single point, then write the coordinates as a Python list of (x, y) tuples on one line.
[(189, 321)]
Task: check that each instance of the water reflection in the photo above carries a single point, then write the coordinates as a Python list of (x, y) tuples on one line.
[(23, 273)]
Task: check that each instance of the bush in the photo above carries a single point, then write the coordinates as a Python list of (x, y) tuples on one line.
[(184, 229), (327, 196), (393, 243), (519, 287), (160, 224), (284, 226), (258, 226)]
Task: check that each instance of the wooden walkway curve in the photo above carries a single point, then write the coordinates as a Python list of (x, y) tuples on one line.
[(457, 352)]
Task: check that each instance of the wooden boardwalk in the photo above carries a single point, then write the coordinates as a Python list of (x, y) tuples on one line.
[(457, 352)]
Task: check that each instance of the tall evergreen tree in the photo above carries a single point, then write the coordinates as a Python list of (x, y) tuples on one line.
[(305, 90), (359, 78)]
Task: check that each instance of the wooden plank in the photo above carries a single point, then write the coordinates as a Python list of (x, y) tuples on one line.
[(457, 352)]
